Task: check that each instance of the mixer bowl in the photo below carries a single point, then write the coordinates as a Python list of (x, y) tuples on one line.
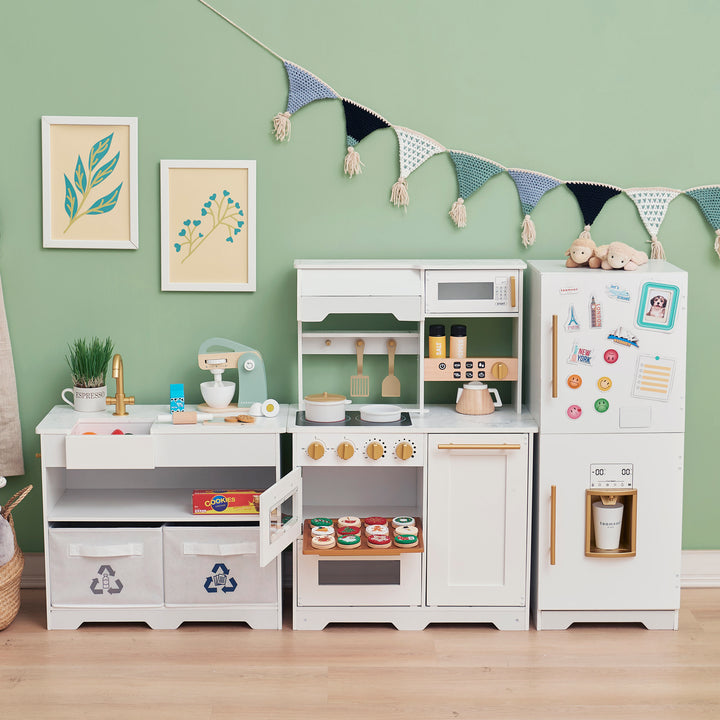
[(217, 395)]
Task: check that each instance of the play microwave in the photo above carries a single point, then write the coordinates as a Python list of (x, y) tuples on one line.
[(491, 291)]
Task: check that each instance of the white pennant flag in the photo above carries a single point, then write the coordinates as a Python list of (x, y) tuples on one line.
[(652, 204), (415, 149)]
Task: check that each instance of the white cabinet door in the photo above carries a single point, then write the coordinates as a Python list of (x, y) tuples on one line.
[(476, 523), (276, 535)]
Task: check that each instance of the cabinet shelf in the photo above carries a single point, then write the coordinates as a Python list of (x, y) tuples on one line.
[(343, 343), (364, 548)]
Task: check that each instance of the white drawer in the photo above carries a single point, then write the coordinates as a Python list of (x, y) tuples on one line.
[(360, 281), (363, 581), (105, 567), (216, 566), (251, 450)]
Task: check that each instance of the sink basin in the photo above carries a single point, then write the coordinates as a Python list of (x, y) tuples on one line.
[(97, 444)]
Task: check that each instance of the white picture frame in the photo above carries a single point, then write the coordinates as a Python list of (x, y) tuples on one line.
[(90, 182), (208, 226)]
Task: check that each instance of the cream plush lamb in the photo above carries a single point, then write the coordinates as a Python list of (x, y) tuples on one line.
[(580, 252), (618, 256)]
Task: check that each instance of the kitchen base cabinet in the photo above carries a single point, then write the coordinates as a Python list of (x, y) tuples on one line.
[(478, 523), (122, 543)]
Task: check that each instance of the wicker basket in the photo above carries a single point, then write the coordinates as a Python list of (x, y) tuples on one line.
[(11, 571)]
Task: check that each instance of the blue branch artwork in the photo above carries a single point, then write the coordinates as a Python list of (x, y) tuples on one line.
[(83, 182), (223, 213)]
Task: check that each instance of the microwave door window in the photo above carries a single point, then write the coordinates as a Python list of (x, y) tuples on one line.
[(466, 290)]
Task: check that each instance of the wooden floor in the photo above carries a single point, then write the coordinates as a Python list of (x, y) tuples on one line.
[(362, 671)]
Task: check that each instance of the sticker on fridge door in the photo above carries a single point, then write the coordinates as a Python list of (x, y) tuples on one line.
[(617, 293), (572, 324), (595, 313), (653, 377), (623, 337), (580, 355), (657, 306)]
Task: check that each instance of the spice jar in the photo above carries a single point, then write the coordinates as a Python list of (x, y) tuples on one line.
[(436, 341), (458, 341)]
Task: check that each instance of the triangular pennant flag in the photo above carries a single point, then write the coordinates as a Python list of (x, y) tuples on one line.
[(708, 198), (414, 150), (591, 198), (359, 123), (304, 88), (472, 172), (531, 186), (652, 204)]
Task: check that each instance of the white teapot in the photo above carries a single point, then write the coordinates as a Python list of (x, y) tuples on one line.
[(474, 398)]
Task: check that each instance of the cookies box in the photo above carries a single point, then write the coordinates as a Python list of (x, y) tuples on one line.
[(226, 502)]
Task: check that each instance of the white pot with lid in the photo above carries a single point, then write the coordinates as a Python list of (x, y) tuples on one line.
[(325, 407)]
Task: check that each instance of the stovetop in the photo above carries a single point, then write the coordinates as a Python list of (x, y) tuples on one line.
[(352, 419)]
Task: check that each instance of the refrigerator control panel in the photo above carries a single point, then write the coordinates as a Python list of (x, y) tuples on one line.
[(611, 475)]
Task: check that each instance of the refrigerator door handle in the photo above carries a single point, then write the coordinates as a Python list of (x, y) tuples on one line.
[(553, 521), (554, 355)]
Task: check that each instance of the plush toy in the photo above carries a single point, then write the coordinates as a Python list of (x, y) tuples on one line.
[(7, 541), (580, 252), (618, 256)]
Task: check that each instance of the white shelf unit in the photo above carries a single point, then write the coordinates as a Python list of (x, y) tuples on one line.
[(417, 291)]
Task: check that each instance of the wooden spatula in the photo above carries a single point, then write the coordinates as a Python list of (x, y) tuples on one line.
[(391, 384), (359, 384)]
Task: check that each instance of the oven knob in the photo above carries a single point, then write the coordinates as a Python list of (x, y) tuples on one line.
[(375, 450), (315, 450), (404, 450), (345, 450), (499, 370)]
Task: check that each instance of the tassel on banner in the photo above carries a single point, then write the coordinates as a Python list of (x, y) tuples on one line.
[(585, 234), (657, 251), (458, 213), (528, 234), (281, 126), (717, 242), (353, 165), (399, 195)]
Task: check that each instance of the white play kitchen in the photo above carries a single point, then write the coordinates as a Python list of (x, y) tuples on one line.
[(409, 513)]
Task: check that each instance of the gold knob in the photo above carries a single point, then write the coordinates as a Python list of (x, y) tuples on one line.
[(316, 450), (345, 450), (375, 450), (499, 370), (404, 450)]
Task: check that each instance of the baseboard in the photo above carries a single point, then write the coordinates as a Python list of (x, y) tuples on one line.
[(700, 568)]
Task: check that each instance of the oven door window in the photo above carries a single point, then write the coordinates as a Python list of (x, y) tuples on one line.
[(365, 572)]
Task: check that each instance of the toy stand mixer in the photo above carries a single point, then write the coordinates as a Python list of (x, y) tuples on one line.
[(218, 393)]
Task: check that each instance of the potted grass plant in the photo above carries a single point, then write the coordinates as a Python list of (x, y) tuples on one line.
[(88, 361)]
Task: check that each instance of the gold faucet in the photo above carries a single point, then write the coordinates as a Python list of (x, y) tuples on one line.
[(120, 400)]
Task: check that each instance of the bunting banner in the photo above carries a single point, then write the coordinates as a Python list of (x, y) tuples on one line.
[(414, 148), (591, 198), (473, 170), (708, 198), (531, 186), (652, 204), (359, 123)]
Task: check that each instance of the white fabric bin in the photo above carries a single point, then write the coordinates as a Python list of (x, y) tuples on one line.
[(216, 566), (105, 567)]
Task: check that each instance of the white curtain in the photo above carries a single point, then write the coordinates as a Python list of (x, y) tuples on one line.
[(11, 458)]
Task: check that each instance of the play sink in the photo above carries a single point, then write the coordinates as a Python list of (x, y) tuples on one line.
[(97, 444)]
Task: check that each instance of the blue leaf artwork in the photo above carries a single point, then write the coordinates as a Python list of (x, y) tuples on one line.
[(77, 193)]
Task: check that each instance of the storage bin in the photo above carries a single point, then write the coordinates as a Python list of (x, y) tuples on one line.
[(216, 565), (102, 567)]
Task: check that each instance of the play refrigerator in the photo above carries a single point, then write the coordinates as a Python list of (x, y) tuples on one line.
[(606, 378)]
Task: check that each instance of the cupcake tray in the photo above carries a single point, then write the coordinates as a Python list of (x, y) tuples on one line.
[(363, 548)]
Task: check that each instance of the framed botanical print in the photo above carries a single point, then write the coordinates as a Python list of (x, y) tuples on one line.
[(90, 194), (208, 225)]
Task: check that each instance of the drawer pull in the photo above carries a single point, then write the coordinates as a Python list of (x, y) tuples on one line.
[(553, 521), (479, 446), (554, 356), (103, 551), (220, 550)]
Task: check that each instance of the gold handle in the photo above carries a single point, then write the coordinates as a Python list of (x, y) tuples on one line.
[(553, 521), (513, 300), (554, 355), (479, 446)]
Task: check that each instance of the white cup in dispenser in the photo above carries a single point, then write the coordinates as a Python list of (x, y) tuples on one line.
[(607, 523)]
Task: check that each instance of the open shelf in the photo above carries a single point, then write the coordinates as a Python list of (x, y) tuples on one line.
[(628, 532), (364, 548)]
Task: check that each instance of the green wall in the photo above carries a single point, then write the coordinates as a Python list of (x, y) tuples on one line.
[(613, 91)]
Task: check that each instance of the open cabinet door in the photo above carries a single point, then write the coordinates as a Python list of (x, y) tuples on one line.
[(275, 535)]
